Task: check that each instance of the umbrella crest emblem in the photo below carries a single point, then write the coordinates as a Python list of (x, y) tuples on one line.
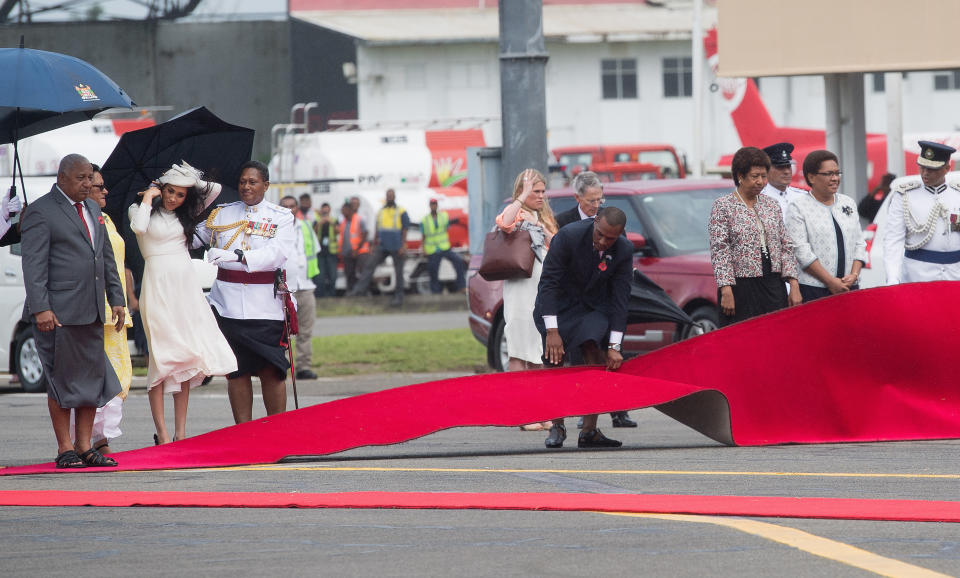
[(86, 93)]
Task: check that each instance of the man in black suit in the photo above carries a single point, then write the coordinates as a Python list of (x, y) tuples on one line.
[(582, 303), (589, 191)]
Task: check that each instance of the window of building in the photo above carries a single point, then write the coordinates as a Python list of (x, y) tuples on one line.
[(619, 78), (949, 80), (879, 82), (677, 77)]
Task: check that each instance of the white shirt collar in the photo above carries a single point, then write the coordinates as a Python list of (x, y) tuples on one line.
[(69, 200)]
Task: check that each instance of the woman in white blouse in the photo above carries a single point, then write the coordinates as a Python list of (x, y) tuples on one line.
[(825, 229)]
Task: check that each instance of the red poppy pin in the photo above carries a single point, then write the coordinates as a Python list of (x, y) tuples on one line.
[(100, 219), (603, 262)]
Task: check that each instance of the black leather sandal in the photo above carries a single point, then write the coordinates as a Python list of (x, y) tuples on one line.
[(95, 459), (69, 459)]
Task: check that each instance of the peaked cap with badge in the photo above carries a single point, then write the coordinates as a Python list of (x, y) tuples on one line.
[(922, 237), (779, 154), (934, 155)]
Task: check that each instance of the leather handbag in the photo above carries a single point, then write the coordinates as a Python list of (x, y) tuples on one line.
[(506, 255)]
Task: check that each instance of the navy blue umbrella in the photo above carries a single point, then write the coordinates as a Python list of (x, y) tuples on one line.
[(41, 91)]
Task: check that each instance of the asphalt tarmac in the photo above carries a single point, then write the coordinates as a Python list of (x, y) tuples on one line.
[(660, 457)]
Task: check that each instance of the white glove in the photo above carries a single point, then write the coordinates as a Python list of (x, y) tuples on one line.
[(217, 256), (10, 206)]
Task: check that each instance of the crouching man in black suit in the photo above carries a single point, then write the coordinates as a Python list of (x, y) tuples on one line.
[(582, 303)]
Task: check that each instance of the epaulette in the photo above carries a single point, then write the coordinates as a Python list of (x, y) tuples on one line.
[(796, 190), (954, 185), (905, 186), (276, 208), (212, 217)]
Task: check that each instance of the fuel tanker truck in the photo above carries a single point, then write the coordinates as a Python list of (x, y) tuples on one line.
[(418, 164)]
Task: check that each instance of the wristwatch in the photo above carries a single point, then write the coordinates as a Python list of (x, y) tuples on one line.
[(615, 347), (239, 254)]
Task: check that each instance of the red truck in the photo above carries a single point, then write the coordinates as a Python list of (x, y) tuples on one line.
[(614, 163)]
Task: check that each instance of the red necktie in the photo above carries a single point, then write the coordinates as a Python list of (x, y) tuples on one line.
[(79, 207)]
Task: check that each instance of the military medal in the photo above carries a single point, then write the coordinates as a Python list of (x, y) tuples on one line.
[(955, 222)]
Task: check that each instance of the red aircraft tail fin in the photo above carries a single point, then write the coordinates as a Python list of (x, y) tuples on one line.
[(750, 116)]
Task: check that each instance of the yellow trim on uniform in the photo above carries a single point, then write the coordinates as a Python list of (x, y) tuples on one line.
[(240, 226)]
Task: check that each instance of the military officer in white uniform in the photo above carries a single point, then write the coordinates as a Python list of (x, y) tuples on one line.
[(249, 241), (922, 237), (780, 175)]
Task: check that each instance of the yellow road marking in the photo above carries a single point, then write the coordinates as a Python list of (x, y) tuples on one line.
[(281, 467), (813, 544)]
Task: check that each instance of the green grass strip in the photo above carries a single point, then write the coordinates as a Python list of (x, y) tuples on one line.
[(409, 352)]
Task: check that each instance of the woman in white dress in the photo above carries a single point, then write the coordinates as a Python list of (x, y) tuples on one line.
[(184, 340), (529, 211)]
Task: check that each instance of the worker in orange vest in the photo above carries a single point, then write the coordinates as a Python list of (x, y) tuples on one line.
[(354, 246)]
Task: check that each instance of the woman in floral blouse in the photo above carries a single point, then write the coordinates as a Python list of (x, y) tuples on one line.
[(751, 252), (825, 228)]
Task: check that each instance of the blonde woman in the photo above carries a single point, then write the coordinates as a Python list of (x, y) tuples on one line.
[(531, 212)]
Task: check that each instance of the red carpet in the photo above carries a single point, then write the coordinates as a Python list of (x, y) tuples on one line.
[(749, 506), (865, 366)]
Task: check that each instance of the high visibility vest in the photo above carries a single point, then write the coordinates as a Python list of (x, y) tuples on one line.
[(332, 234), (310, 248), (435, 236), (358, 249), (390, 219)]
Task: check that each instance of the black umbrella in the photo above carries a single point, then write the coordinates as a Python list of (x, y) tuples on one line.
[(41, 91), (198, 137), (649, 303)]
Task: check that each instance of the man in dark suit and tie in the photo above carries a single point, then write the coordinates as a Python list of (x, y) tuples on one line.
[(582, 303), (69, 273), (589, 192)]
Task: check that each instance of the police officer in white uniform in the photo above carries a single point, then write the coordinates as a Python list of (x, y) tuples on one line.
[(249, 241), (780, 175), (922, 237)]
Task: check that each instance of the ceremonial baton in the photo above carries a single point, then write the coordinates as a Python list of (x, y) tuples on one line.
[(280, 288)]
